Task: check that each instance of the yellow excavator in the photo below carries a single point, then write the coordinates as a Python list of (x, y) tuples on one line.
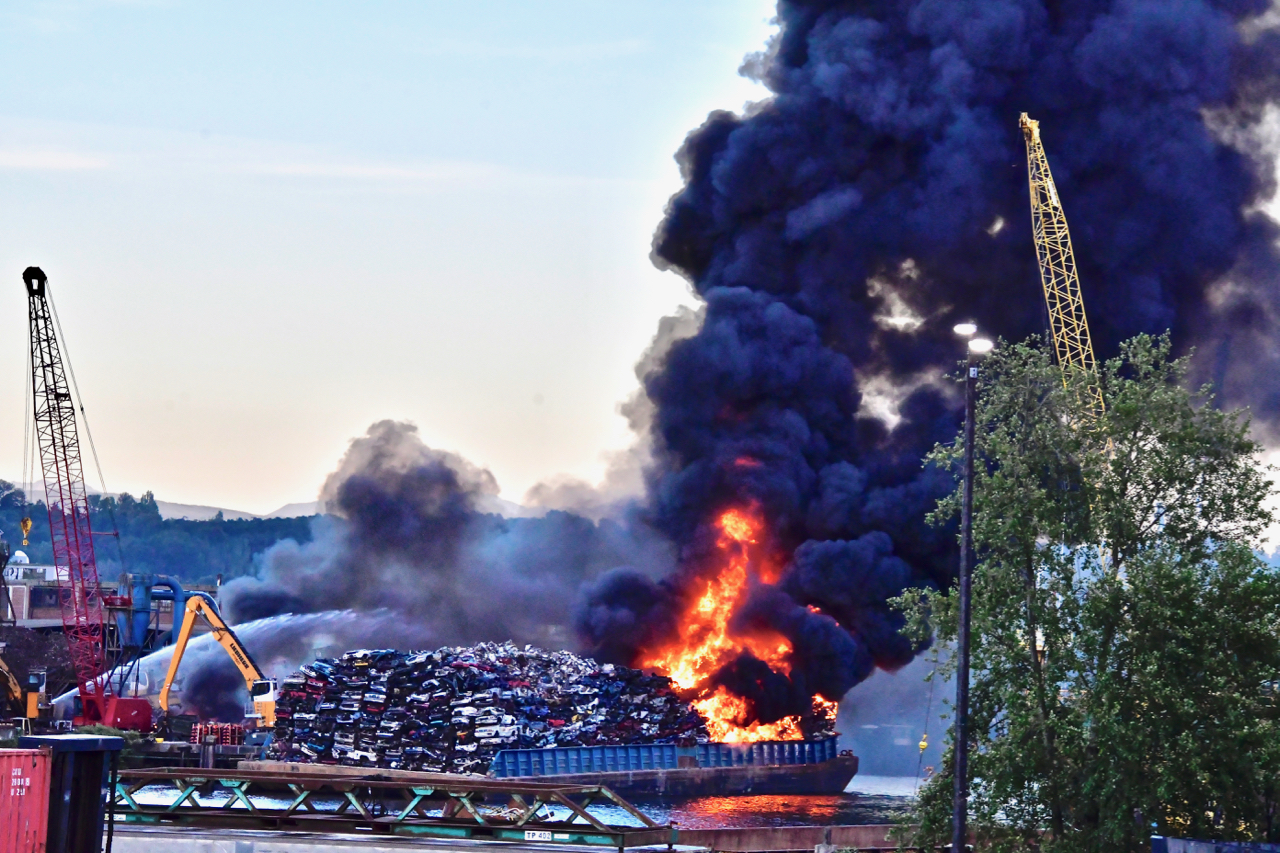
[(262, 690), (23, 707), (13, 690)]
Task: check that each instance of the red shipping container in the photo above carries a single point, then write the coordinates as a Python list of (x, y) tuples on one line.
[(24, 800)]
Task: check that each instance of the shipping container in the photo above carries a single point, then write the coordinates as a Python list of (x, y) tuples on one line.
[(24, 800), (79, 787), (659, 756)]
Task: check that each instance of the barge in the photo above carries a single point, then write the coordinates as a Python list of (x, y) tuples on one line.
[(640, 771), (649, 771)]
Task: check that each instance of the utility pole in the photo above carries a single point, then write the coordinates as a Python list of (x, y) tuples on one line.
[(960, 807)]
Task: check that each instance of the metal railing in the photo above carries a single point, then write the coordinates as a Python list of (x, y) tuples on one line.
[(415, 804)]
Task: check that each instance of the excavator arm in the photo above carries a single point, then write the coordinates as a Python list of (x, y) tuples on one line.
[(12, 690), (261, 689)]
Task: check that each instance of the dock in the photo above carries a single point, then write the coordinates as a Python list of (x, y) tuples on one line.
[(774, 839)]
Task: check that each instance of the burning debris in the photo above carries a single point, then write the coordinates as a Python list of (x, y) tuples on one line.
[(838, 230), (453, 709), (710, 639)]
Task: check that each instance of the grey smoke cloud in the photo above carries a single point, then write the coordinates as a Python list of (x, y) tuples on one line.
[(410, 532)]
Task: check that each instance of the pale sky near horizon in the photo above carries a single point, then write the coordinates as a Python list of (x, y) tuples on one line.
[(267, 226)]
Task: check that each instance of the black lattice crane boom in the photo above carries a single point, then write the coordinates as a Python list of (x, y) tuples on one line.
[(70, 532), (1072, 344)]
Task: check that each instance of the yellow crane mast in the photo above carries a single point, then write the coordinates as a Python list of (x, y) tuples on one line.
[(1072, 346)]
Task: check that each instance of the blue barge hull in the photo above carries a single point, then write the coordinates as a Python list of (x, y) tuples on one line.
[(667, 770), (562, 760)]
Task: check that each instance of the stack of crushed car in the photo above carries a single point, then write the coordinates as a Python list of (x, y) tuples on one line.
[(453, 709)]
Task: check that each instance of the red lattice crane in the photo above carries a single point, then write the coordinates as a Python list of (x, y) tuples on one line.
[(70, 532)]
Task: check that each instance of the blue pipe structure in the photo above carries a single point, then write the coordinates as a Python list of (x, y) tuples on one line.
[(133, 622), (177, 595)]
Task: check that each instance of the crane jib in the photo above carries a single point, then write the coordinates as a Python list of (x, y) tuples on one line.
[(1068, 325), (70, 530)]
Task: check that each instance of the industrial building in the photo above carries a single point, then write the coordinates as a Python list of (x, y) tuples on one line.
[(32, 600)]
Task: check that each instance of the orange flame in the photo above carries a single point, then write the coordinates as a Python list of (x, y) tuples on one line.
[(706, 643)]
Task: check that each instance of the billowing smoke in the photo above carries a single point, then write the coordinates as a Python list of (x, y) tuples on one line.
[(837, 232), (412, 531)]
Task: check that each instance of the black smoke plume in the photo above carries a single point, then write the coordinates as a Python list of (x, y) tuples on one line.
[(834, 234), (414, 531), (837, 232)]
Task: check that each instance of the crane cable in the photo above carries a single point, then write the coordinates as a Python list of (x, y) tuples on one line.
[(928, 712), (130, 667), (84, 421), (28, 440)]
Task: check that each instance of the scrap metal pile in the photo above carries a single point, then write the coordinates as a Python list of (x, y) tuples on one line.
[(453, 709)]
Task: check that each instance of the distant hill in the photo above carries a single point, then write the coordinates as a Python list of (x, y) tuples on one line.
[(171, 510), (198, 512), (295, 510), (191, 512), (189, 541)]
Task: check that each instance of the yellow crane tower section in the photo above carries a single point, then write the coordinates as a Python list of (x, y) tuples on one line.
[(1072, 346)]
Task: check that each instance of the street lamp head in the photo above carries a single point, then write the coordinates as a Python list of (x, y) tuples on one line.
[(980, 346), (965, 330)]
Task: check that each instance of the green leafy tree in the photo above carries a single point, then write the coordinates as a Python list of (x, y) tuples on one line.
[(1125, 636), (14, 508), (11, 496), (193, 551)]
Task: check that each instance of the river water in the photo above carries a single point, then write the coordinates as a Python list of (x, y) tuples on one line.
[(868, 799)]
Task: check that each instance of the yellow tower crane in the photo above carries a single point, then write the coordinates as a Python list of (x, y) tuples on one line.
[(1072, 346)]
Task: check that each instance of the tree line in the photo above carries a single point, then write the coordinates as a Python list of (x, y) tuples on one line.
[(192, 551)]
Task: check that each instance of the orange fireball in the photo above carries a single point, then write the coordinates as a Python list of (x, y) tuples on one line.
[(706, 643)]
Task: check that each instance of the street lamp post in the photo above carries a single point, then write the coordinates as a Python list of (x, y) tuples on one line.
[(960, 808)]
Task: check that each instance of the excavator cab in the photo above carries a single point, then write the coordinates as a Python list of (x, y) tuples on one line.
[(37, 698), (263, 694)]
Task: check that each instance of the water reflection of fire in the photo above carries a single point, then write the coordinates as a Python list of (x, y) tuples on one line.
[(705, 643)]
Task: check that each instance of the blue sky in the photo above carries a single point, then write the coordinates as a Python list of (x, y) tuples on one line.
[(268, 225)]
